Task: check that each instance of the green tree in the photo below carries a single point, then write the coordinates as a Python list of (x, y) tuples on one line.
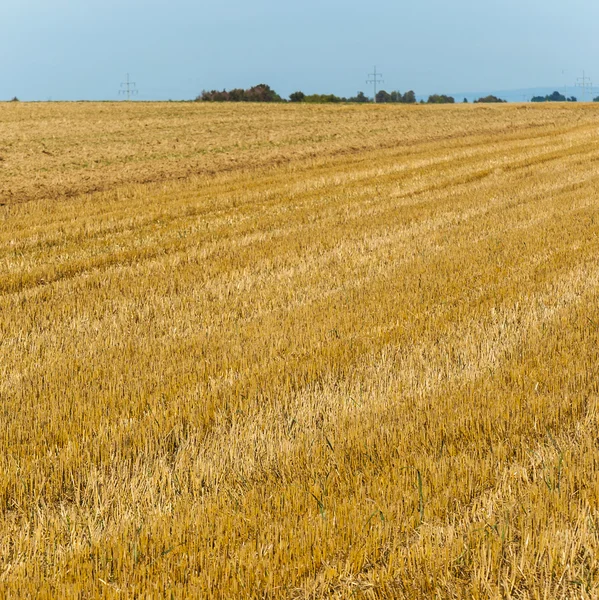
[(297, 97), (489, 99), (555, 97), (262, 93), (360, 98), (258, 93), (323, 99), (237, 95), (440, 99), (382, 96)]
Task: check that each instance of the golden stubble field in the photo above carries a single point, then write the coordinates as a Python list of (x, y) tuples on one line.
[(299, 351)]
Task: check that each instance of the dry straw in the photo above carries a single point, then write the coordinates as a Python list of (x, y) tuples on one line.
[(299, 352)]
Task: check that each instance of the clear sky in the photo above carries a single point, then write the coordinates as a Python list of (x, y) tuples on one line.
[(82, 49)]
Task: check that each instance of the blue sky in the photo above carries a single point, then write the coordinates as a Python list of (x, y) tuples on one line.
[(82, 49)]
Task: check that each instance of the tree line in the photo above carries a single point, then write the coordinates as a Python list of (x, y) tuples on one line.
[(264, 93), (555, 97)]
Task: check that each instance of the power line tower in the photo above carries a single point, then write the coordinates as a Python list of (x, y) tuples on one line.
[(375, 78), (128, 88), (585, 84)]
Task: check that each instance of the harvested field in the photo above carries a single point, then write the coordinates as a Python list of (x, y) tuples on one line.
[(299, 351)]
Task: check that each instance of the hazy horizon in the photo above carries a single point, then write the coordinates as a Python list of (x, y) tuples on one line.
[(77, 51)]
